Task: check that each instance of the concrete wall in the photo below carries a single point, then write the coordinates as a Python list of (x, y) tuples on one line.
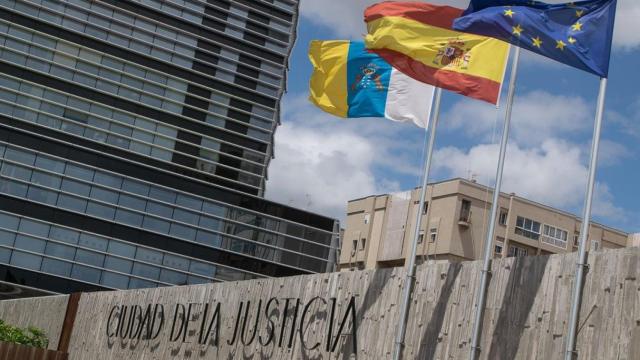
[(526, 315), (376, 294), (46, 313)]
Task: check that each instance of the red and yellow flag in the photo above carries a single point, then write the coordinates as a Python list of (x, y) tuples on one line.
[(416, 38)]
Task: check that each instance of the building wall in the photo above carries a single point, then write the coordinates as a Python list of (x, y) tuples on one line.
[(135, 138), (525, 318), (462, 240)]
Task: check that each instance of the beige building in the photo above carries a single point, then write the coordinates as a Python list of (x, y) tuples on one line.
[(379, 229)]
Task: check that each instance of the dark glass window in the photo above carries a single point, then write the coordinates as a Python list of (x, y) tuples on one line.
[(148, 255), (155, 224), (173, 277), (182, 231), (159, 209), (9, 221), (93, 242), (116, 281), (25, 260), (29, 243), (42, 195), (85, 273), (64, 234), (202, 268), (89, 258), (60, 251), (136, 283), (118, 264), (146, 271), (129, 217), (56, 267), (34, 227), (122, 249)]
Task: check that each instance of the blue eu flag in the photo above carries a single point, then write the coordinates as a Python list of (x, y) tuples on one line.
[(577, 34)]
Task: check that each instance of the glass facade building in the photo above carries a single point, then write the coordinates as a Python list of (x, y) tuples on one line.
[(135, 137)]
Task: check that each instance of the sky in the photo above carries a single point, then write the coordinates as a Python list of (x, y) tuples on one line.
[(321, 162)]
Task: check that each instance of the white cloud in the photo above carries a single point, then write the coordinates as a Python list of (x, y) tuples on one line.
[(537, 115), (553, 173), (627, 118), (345, 17), (539, 165), (322, 162), (627, 32), (603, 206), (611, 153)]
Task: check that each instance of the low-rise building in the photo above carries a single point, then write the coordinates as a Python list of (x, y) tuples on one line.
[(380, 228)]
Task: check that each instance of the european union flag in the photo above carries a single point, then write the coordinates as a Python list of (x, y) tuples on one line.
[(577, 34)]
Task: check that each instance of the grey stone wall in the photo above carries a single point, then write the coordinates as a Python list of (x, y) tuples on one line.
[(46, 313), (526, 315)]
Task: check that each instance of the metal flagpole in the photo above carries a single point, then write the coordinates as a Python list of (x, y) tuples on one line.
[(482, 289), (411, 270), (584, 231)]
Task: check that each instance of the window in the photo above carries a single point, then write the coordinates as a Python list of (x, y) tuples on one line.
[(60, 251), (114, 280), (576, 238), (433, 235), (175, 262), (517, 251), (57, 267), (421, 237), (29, 243), (202, 269), (34, 227), (355, 246), (363, 244), (146, 271), (465, 211), (149, 255), (595, 245), (89, 258), (26, 260), (367, 217), (425, 209), (118, 264), (554, 236), (136, 283), (502, 220), (93, 242), (173, 277), (497, 249), (528, 228), (63, 234)]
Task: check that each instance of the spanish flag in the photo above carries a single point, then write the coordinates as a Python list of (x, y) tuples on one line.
[(417, 39)]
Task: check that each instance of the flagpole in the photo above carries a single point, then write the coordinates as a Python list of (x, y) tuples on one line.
[(411, 268), (488, 245), (584, 231)]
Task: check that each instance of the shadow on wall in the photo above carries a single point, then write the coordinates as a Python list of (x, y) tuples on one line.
[(525, 279), (376, 286), (429, 340)]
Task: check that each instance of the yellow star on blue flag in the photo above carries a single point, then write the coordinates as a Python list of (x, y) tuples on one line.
[(578, 34)]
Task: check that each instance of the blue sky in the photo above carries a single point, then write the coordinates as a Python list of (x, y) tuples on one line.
[(322, 162)]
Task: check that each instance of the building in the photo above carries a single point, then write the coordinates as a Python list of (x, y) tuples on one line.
[(380, 228), (135, 137)]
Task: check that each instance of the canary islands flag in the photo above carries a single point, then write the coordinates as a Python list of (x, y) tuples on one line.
[(349, 81), (578, 34)]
